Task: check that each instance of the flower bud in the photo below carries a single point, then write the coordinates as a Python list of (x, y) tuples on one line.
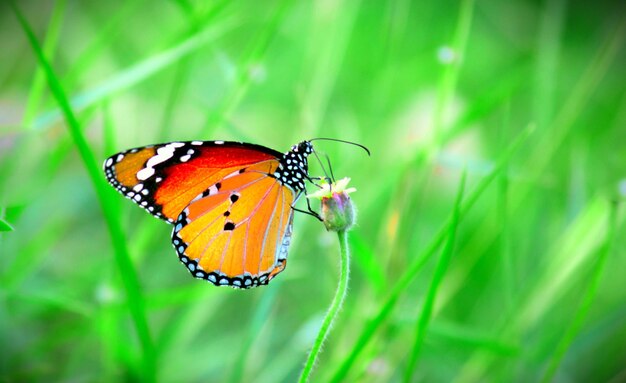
[(338, 213)]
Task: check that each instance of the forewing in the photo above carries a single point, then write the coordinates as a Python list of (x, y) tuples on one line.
[(164, 178), (238, 234)]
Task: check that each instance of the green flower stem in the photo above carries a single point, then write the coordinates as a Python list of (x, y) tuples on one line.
[(335, 306)]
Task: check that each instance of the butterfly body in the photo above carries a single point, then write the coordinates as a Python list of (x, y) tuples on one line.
[(230, 203)]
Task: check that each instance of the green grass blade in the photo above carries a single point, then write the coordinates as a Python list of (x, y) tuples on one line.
[(136, 74), (588, 298), (182, 73), (366, 259), (108, 129), (32, 253), (243, 77), (440, 270), (451, 333), (54, 300), (568, 255), (49, 46), (581, 94), (5, 226), (329, 56), (436, 137), (36, 90), (105, 197), (416, 265), (259, 318), (106, 35), (502, 206), (451, 75), (549, 47), (181, 78)]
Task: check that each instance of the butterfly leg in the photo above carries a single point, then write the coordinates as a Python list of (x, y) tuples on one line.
[(313, 179), (310, 211)]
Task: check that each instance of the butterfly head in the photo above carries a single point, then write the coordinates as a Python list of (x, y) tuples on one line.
[(304, 147), (293, 167)]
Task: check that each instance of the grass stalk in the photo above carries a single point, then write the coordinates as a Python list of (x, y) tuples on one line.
[(244, 77), (451, 75), (135, 74), (588, 298), (5, 226), (49, 46), (130, 281), (257, 321), (423, 320)]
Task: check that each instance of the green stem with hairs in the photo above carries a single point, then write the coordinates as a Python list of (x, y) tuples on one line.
[(335, 306)]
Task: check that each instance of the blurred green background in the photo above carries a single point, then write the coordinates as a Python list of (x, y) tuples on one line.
[(528, 96)]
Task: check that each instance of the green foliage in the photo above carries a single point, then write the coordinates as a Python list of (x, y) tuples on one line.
[(5, 226), (528, 97)]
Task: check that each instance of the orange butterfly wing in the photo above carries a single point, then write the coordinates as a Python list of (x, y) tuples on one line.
[(237, 234), (164, 178)]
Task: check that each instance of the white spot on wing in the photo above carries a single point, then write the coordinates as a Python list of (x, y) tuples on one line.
[(145, 173), (163, 154)]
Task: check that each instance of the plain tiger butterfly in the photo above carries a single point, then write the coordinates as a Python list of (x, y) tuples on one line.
[(231, 203)]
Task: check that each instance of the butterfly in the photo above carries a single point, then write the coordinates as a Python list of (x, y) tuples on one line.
[(231, 203)]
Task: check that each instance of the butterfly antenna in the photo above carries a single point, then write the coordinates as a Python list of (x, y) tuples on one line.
[(343, 141), (322, 166), (330, 168)]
